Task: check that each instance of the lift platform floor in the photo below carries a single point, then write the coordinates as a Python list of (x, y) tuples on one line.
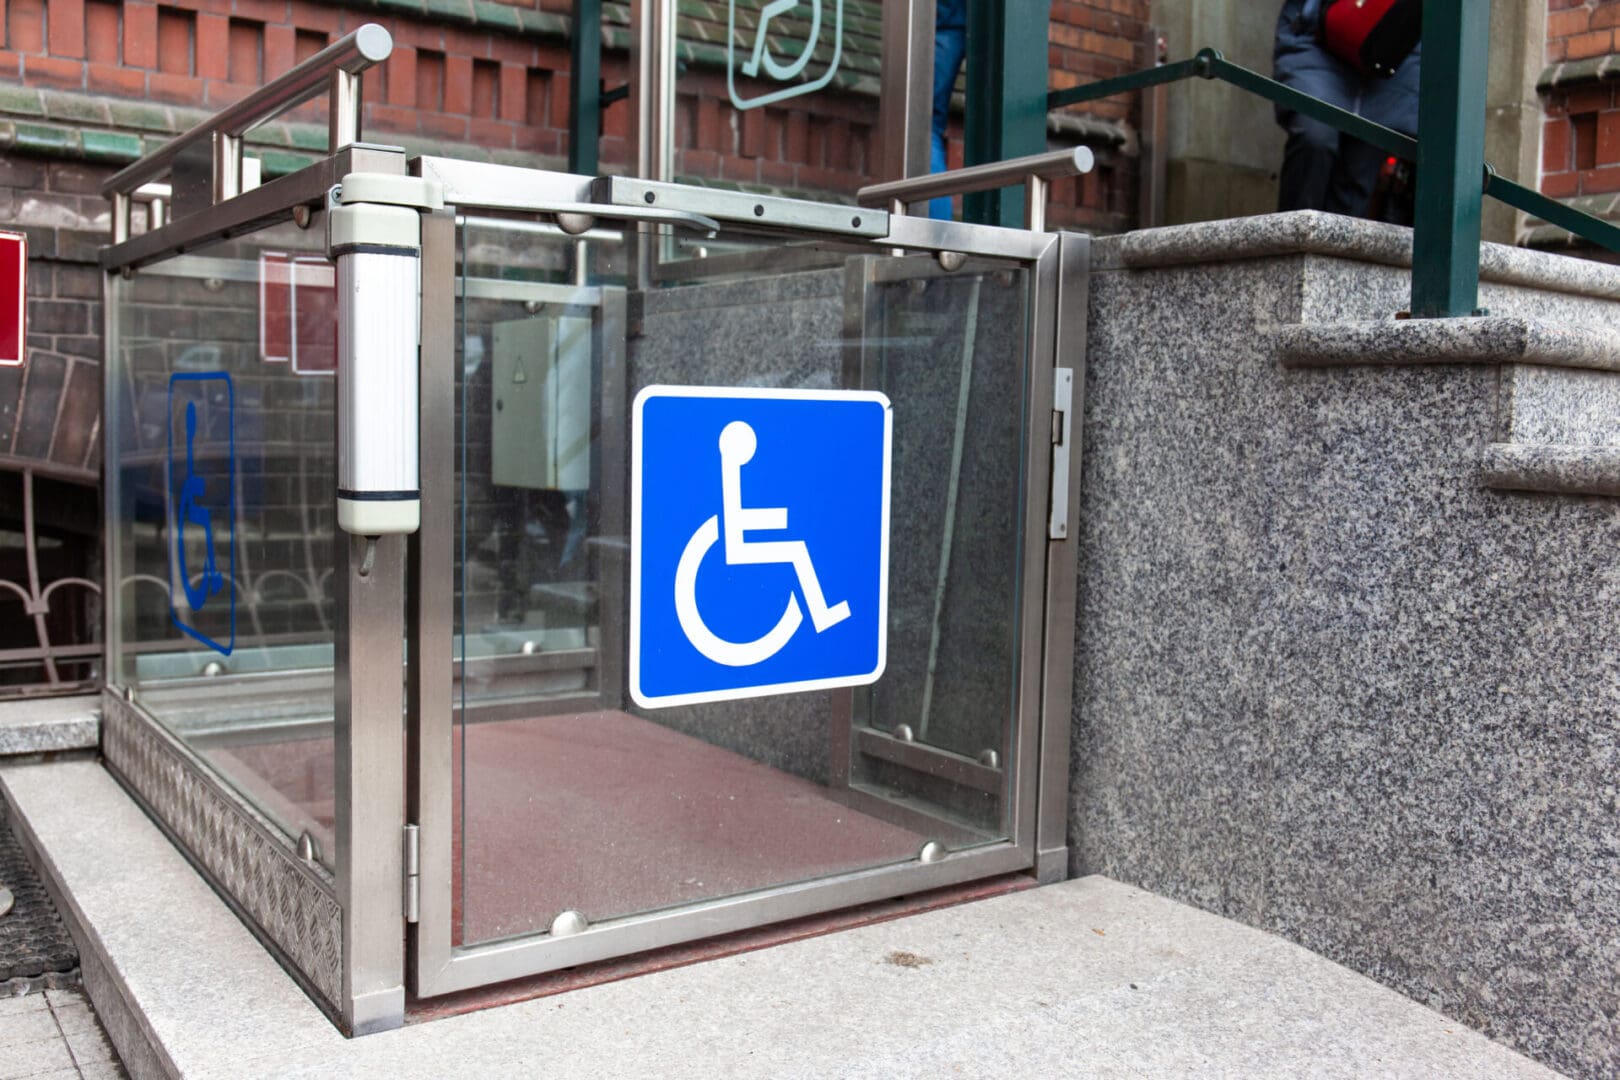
[(604, 813), (1087, 978)]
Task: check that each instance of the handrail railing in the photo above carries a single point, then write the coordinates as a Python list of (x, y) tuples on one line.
[(335, 69), (1034, 171), (1210, 64)]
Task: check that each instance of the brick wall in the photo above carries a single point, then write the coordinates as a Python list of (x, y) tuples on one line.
[(1580, 150)]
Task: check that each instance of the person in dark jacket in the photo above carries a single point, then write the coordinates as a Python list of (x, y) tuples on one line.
[(950, 46), (1323, 169)]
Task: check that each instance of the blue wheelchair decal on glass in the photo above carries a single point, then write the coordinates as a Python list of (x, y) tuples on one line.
[(759, 547), (201, 507)]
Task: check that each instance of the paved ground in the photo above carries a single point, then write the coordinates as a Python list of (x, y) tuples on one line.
[(1089, 978), (54, 1035)]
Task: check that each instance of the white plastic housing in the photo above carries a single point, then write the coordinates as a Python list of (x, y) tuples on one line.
[(379, 309)]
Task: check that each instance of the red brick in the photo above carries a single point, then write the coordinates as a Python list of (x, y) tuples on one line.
[(1594, 98), (392, 119), (213, 47), (466, 42), (458, 84), (1607, 15), (1555, 146), (1561, 185), (102, 37), (443, 126), (399, 70), (307, 16), (120, 81), (699, 163), (180, 89), (266, 11), (176, 41), (1608, 138), (780, 174), (511, 50), (25, 22), (797, 145), (486, 90), (1600, 181), (753, 133), (544, 140), (710, 133), (615, 120), (54, 71), (514, 92), (278, 50), (491, 134), (66, 25), (1594, 43), (10, 65), (1567, 23), (140, 34)]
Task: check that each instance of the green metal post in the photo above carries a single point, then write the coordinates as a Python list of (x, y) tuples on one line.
[(585, 88), (1006, 96), (1451, 158)]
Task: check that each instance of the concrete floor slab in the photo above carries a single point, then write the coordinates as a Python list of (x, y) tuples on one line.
[(1087, 978)]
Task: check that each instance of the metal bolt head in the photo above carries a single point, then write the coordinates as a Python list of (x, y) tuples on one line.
[(931, 852), (575, 224), (990, 758), (308, 849), (569, 922), (213, 667), (303, 215), (951, 261), (903, 733), (529, 648)]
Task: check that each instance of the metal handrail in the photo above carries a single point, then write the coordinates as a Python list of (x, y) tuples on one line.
[(1034, 171), (1210, 64), (350, 55)]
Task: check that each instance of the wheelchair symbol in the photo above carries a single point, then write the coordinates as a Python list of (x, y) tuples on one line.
[(192, 491), (762, 56), (737, 446)]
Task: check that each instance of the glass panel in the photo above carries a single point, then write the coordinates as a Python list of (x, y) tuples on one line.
[(778, 97), (222, 468), (570, 796)]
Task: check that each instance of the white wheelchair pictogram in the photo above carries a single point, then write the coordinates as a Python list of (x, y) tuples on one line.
[(737, 446), (762, 50)]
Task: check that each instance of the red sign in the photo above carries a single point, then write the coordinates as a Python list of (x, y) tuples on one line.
[(13, 298), (298, 312)]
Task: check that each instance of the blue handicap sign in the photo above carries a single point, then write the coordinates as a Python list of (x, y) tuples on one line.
[(201, 507), (759, 546)]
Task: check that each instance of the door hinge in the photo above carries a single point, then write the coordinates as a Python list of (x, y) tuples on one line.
[(1057, 526), (413, 873)]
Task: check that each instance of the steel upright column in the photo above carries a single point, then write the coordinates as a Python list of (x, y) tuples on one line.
[(1006, 96), (1451, 158), (585, 87), (906, 108)]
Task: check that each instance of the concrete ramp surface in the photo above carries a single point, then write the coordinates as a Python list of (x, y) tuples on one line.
[(1089, 978)]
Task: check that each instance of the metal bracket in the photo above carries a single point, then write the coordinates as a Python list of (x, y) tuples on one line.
[(1057, 526), (413, 873)]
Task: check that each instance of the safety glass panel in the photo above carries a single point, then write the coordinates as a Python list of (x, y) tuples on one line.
[(577, 797), (221, 459)]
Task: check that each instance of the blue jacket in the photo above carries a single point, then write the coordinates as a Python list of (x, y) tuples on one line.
[(1301, 62)]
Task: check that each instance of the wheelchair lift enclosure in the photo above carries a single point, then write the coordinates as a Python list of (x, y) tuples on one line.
[(732, 587)]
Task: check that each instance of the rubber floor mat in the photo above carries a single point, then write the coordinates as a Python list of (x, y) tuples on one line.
[(34, 945)]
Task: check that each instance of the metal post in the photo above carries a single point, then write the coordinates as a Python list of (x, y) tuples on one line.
[(906, 107), (370, 759), (652, 73), (1451, 158), (1006, 96), (227, 166), (1035, 192), (585, 88), (343, 115)]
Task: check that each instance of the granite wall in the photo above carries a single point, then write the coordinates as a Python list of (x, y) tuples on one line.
[(1332, 679)]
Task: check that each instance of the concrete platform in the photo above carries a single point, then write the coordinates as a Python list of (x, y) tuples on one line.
[(1088, 978)]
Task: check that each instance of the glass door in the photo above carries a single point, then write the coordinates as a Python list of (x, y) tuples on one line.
[(640, 746)]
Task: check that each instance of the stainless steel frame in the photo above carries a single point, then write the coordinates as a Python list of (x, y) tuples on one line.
[(394, 806), (438, 967)]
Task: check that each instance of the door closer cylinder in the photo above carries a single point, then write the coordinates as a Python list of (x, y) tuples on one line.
[(378, 250)]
